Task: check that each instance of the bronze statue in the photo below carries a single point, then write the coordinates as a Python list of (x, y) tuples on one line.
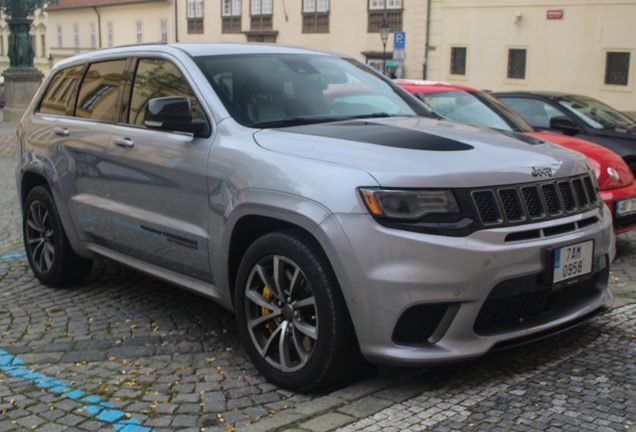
[(21, 51)]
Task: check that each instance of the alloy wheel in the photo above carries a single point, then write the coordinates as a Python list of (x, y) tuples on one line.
[(281, 313), (40, 236)]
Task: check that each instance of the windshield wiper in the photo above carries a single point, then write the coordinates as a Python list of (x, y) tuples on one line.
[(293, 121), (380, 114), (297, 121)]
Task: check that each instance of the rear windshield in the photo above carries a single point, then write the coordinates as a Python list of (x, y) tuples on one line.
[(277, 90), (595, 113), (476, 108)]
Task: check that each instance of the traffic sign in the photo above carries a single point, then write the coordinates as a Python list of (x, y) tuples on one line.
[(399, 39)]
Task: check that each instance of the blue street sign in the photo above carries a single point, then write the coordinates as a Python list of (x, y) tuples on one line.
[(399, 39)]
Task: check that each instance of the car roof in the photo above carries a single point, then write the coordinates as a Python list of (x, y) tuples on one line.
[(547, 94), (426, 86), (200, 49)]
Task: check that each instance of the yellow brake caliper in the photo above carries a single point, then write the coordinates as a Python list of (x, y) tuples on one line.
[(271, 326)]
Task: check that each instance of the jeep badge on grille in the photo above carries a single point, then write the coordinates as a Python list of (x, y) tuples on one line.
[(541, 172)]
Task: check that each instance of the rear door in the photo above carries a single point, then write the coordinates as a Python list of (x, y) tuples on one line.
[(159, 185), (82, 138)]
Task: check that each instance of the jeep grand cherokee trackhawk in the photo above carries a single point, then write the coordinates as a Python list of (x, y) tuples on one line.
[(330, 209)]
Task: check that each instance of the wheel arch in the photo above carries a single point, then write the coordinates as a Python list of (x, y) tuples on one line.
[(246, 231), (41, 172), (30, 180), (254, 213)]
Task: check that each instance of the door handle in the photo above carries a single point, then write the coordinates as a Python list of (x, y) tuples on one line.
[(61, 132), (124, 142)]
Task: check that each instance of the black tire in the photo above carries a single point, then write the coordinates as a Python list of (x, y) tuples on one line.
[(47, 247), (304, 274)]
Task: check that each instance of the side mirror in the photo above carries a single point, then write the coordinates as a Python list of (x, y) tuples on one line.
[(564, 124), (174, 114)]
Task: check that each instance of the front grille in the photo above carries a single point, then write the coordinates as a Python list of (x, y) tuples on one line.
[(581, 196), (517, 300), (624, 221), (487, 207), (418, 323), (526, 203), (511, 205), (552, 199), (589, 188), (533, 202), (567, 196)]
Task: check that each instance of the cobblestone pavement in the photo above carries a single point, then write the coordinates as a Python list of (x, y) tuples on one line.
[(126, 352)]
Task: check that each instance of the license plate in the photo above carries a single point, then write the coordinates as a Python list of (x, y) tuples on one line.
[(626, 206), (573, 260)]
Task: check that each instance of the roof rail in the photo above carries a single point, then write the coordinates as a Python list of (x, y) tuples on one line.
[(134, 45)]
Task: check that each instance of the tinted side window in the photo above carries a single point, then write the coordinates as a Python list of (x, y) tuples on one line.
[(59, 98), (535, 112), (154, 79), (98, 95)]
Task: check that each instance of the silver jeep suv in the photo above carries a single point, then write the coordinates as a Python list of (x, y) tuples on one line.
[(322, 203)]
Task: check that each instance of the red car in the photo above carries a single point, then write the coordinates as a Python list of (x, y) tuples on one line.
[(467, 105)]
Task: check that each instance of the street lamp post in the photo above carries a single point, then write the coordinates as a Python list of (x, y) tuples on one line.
[(384, 34), (21, 78), (20, 51)]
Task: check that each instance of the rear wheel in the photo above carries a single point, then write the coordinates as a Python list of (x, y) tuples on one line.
[(291, 314), (48, 249)]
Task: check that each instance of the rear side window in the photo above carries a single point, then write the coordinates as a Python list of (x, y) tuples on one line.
[(157, 78), (99, 93), (59, 98), (535, 112)]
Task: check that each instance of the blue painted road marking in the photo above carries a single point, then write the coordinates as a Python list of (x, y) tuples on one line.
[(12, 256), (104, 411)]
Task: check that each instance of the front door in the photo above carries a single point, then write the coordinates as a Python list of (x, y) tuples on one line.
[(159, 188)]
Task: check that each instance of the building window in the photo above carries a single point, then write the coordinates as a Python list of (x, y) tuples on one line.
[(315, 16), (139, 34), (261, 15), (109, 31), (517, 63), (195, 16), (389, 10), (1, 45), (231, 16), (164, 31), (76, 35), (33, 43), (59, 36), (93, 40), (458, 61), (43, 44), (617, 68)]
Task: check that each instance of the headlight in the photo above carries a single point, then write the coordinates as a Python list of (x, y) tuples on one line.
[(409, 204)]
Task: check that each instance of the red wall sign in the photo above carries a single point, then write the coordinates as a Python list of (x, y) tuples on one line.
[(554, 14)]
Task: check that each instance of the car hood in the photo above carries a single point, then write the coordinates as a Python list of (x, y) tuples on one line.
[(421, 152), (602, 159)]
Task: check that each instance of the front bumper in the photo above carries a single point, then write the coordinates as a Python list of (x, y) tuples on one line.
[(398, 270), (624, 223)]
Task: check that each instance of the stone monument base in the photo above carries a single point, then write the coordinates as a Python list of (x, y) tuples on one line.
[(19, 88)]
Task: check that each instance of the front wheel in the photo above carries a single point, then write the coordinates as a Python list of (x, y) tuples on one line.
[(291, 313), (48, 249)]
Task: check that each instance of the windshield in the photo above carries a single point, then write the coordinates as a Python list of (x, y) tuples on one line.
[(595, 113), (476, 108), (283, 90)]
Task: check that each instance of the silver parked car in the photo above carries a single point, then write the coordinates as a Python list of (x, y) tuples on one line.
[(322, 203)]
